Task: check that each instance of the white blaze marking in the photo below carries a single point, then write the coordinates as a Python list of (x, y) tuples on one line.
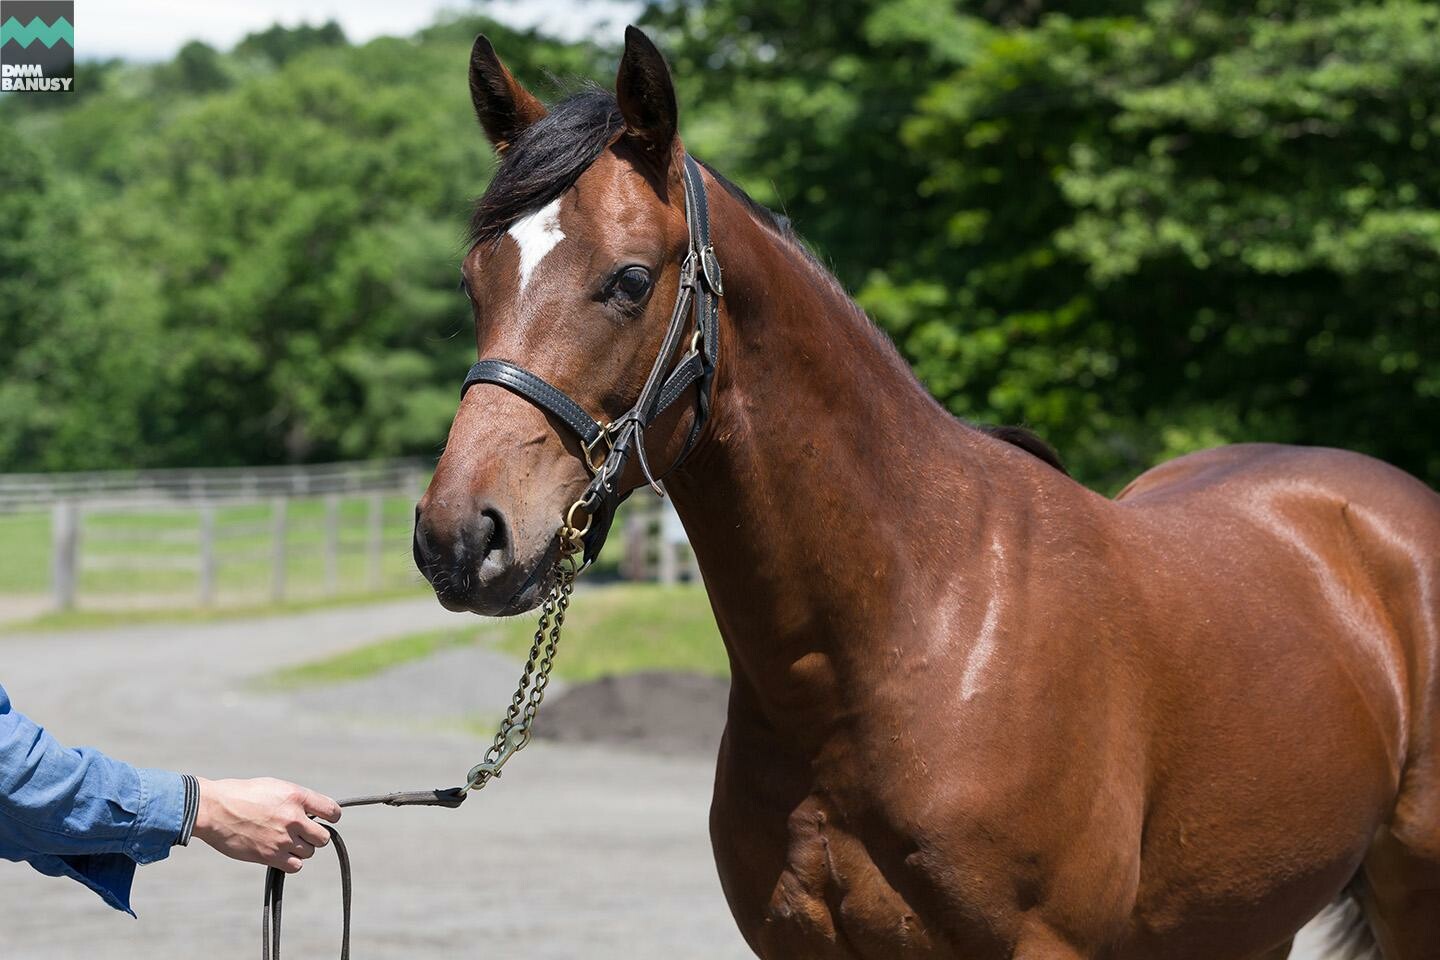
[(536, 236)]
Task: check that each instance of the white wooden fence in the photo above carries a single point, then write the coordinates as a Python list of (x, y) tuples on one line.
[(207, 537), (30, 491), (196, 551)]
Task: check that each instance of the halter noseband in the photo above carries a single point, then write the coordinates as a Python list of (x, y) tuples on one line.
[(700, 285)]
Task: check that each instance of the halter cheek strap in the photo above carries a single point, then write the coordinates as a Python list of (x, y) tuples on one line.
[(701, 287)]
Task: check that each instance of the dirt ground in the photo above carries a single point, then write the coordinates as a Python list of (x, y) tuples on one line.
[(592, 845), (583, 849), (662, 713)]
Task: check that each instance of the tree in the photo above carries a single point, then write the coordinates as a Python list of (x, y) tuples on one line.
[(70, 382), (275, 249), (280, 44), (1141, 228)]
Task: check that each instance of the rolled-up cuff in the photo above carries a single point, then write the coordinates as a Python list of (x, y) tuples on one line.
[(192, 810), (161, 816)]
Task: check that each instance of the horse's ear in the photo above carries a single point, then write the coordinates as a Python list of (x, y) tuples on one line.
[(504, 107), (647, 98)]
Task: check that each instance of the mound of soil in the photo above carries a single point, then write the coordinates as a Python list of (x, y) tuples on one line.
[(659, 712)]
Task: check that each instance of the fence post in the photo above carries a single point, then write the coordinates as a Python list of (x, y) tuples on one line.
[(207, 554), (65, 552), (670, 538), (279, 537), (668, 565), (375, 541), (633, 565), (332, 542)]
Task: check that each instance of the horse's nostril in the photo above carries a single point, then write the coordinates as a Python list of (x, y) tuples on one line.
[(498, 536), (464, 557), (485, 537), (420, 548)]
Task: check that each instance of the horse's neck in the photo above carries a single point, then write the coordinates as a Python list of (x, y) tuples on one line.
[(826, 475)]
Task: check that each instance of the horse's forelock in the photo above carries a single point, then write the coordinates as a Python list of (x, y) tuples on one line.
[(546, 160)]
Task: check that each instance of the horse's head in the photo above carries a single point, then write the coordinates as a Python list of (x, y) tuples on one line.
[(574, 268)]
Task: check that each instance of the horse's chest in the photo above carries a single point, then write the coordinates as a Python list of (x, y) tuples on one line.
[(829, 894), (833, 899)]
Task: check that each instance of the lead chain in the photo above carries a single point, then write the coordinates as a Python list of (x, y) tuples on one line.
[(514, 733)]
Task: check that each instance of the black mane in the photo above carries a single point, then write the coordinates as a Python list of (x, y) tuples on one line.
[(550, 156), (546, 160), (1028, 441)]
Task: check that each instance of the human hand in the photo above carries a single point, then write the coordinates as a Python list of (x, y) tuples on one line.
[(263, 821)]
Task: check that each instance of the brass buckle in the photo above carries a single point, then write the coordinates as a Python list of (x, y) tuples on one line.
[(710, 269), (594, 455)]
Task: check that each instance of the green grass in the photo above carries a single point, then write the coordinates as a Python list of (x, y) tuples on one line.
[(24, 552), (369, 660), (625, 628)]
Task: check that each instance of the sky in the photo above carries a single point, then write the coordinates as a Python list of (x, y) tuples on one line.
[(155, 29)]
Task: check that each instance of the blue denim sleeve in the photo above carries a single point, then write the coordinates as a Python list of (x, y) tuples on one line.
[(78, 813)]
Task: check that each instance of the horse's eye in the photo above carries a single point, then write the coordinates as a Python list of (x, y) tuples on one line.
[(633, 283)]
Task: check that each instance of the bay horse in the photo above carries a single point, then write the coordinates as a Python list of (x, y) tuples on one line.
[(976, 709)]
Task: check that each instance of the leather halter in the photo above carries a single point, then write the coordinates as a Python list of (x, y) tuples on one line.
[(700, 287)]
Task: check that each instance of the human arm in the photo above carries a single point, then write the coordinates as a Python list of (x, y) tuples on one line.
[(63, 801), (79, 813)]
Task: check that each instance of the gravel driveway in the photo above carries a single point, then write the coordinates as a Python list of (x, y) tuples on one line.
[(580, 851)]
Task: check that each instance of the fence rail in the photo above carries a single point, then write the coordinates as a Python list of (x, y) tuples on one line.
[(22, 491), (273, 549)]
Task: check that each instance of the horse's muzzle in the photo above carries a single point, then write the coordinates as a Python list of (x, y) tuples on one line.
[(471, 564)]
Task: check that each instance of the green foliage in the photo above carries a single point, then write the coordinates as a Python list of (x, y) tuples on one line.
[(244, 258), (1141, 228), (282, 44)]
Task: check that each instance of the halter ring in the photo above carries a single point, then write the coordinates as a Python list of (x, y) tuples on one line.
[(570, 518)]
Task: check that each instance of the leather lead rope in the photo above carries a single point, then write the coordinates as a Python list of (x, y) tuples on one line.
[(510, 739), (275, 878), (700, 290)]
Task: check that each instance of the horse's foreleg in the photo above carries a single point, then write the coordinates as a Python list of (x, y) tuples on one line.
[(1040, 942), (1401, 896)]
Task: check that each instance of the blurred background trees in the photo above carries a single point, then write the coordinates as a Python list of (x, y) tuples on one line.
[(1139, 228)]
